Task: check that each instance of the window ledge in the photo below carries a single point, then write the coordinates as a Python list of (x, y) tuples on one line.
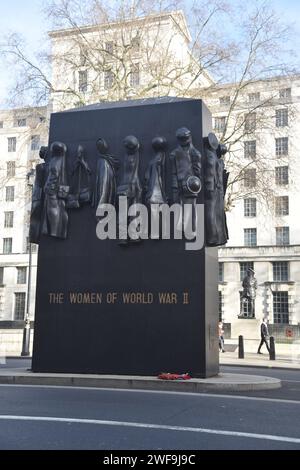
[(290, 283)]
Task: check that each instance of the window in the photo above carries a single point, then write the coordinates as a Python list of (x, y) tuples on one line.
[(83, 79), (109, 47), (244, 266), (8, 219), (7, 246), (1, 124), (33, 246), (282, 175), (250, 207), (21, 122), (282, 236), (282, 205), (282, 146), (282, 117), (250, 122), (136, 43), (35, 142), (10, 169), (10, 193), (135, 75), (221, 272), (250, 237), (250, 149), (245, 308), (250, 178), (254, 97), (108, 79), (281, 307), (280, 271), (11, 144), (220, 123), (285, 93), (1, 276), (221, 305), (22, 275), (224, 100), (20, 298)]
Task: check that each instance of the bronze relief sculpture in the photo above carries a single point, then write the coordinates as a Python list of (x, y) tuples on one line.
[(186, 172), (155, 176), (38, 197), (130, 186), (55, 217), (80, 192), (215, 182), (52, 195), (105, 184)]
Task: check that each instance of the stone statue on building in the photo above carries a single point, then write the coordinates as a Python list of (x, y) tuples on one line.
[(249, 291)]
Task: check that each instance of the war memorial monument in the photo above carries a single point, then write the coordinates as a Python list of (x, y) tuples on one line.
[(145, 299)]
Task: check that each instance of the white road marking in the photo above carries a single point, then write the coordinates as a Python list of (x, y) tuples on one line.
[(291, 381), (159, 427), (159, 392)]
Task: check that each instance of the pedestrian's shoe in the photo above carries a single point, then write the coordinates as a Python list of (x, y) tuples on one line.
[(258, 352), (223, 350)]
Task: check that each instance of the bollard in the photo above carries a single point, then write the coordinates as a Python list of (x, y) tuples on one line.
[(241, 347), (272, 349)]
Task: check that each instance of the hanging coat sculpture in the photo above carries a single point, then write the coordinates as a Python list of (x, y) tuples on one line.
[(105, 183), (55, 217), (80, 189)]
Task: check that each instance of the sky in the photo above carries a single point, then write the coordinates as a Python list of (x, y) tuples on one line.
[(28, 19)]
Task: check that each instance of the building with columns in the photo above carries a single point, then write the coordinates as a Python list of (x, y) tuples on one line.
[(263, 224), (22, 132)]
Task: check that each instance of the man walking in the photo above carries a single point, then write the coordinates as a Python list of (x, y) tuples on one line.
[(264, 334)]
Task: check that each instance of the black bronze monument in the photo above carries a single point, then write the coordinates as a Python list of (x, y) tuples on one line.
[(150, 307)]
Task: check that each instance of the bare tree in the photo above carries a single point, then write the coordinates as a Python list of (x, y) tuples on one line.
[(114, 50), (245, 107)]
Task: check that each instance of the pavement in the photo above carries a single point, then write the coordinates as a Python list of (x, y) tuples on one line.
[(18, 373), (260, 360)]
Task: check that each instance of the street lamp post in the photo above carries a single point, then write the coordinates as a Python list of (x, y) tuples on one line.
[(26, 330)]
